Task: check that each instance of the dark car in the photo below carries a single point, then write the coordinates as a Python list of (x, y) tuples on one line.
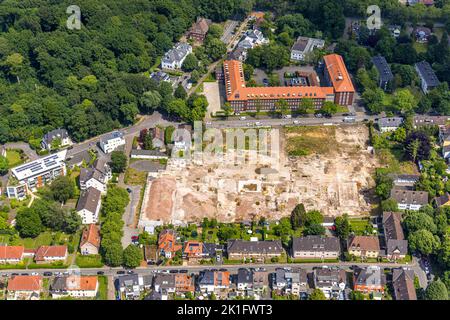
[(24, 274), (130, 271), (173, 271), (222, 270), (48, 274), (183, 271), (120, 272), (129, 190), (70, 148), (265, 82), (14, 274), (100, 273)]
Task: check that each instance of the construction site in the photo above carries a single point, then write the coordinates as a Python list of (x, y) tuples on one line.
[(327, 168)]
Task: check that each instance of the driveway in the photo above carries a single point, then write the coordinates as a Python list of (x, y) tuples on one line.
[(129, 216), (212, 93)]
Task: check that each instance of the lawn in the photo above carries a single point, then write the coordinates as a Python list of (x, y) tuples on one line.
[(302, 141), (102, 293), (420, 47), (89, 261), (46, 238), (135, 177), (14, 158), (359, 226), (394, 160)]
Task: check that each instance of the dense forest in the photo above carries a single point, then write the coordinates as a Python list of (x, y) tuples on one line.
[(90, 80)]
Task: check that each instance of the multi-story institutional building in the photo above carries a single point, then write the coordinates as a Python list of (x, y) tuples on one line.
[(35, 174), (340, 89)]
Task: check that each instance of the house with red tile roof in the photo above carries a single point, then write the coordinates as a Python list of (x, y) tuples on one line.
[(364, 246), (24, 288), (90, 240), (74, 286), (50, 254), (11, 254), (167, 243)]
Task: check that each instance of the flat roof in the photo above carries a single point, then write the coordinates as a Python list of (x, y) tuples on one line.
[(39, 166)]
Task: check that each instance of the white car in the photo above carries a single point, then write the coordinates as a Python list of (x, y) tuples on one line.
[(296, 122), (34, 274), (257, 123), (242, 118)]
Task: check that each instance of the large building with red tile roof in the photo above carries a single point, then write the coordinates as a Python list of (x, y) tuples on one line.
[(11, 254), (49, 254), (75, 286), (24, 287), (243, 98), (167, 243)]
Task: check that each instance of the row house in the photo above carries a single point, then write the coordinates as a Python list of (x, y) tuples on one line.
[(331, 281), (316, 247), (409, 199), (169, 283), (213, 281), (196, 250), (388, 124), (96, 176), (51, 254), (258, 250), (403, 284), (88, 206), (368, 280), (11, 254), (131, 286), (167, 243), (290, 281)]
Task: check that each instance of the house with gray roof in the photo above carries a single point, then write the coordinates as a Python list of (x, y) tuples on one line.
[(88, 206), (290, 281), (174, 58), (244, 279), (330, 280), (426, 120), (403, 284), (304, 46), (384, 71), (160, 76), (315, 247), (394, 238), (369, 280), (132, 285), (389, 123), (408, 199), (112, 141), (428, 79), (49, 137), (259, 250)]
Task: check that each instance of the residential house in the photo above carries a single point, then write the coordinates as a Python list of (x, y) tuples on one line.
[(195, 251), (199, 29), (88, 206), (213, 281), (258, 250), (11, 254), (368, 280), (244, 280), (240, 54), (160, 76), (405, 181), (174, 58), (260, 281), (251, 39), (184, 283), (290, 281), (403, 284), (79, 159), (148, 154), (422, 34), (315, 247), (112, 141), (74, 286), (428, 79), (167, 243), (90, 240), (24, 288), (151, 254), (364, 246), (394, 239), (131, 286), (35, 174), (158, 137), (408, 199), (61, 134), (424, 120), (164, 284), (50, 254), (389, 123), (90, 177), (304, 46), (332, 281)]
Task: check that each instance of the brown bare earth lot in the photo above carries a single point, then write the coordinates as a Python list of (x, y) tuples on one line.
[(333, 174)]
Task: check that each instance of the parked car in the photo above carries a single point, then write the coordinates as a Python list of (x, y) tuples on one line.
[(183, 271), (318, 115), (265, 82), (257, 123), (24, 274), (100, 273), (48, 274), (130, 271), (14, 274), (242, 118), (34, 274), (173, 271), (58, 273), (120, 272), (129, 190), (296, 122)]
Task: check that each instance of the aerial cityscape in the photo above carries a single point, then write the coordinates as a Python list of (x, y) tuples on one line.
[(225, 150)]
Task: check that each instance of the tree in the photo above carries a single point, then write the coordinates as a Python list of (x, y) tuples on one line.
[(150, 100), (228, 109), (329, 108), (4, 165), (28, 223), (62, 189), (436, 290), (118, 161), (298, 216), (180, 93), (404, 101), (215, 30), (389, 205), (314, 229), (190, 63), (418, 146), (342, 226), (423, 241), (317, 294), (132, 256), (147, 144), (214, 48), (282, 105), (113, 254), (416, 220)]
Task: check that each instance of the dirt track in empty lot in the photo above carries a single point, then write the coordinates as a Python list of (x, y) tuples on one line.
[(335, 177)]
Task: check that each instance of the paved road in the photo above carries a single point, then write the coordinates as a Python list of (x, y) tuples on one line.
[(275, 122), (146, 122), (227, 32)]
